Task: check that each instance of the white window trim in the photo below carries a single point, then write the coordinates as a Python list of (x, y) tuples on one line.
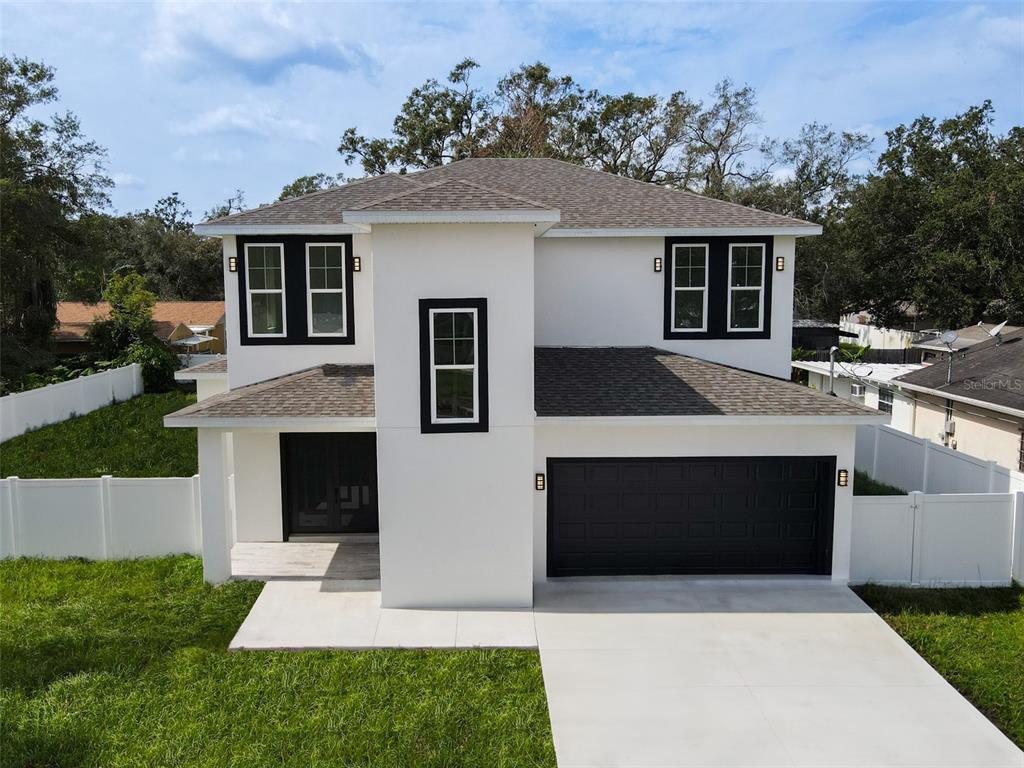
[(474, 367), (759, 289), (707, 270), (882, 390), (249, 291), (343, 291)]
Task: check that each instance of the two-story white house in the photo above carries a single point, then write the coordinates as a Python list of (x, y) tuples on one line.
[(514, 370)]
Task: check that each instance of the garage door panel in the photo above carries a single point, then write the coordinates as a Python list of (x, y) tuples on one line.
[(745, 515)]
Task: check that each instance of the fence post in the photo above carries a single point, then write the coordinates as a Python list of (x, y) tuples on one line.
[(1017, 553), (197, 520), (874, 452), (916, 500), (14, 504), (924, 464), (8, 417), (105, 516), (137, 385), (992, 476)]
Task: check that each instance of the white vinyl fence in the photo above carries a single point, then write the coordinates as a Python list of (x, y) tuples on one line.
[(957, 539), (917, 464), (100, 518), (24, 411)]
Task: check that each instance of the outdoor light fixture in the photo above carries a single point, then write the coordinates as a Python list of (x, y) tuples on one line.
[(657, 263), (844, 478), (538, 481), (232, 263), (357, 264), (780, 263)]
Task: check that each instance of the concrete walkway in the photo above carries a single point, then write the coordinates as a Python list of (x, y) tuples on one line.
[(716, 673), (347, 614)]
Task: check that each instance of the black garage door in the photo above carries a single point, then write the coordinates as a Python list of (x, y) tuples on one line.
[(708, 515)]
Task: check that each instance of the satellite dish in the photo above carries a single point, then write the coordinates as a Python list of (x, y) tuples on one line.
[(949, 337), (995, 331)]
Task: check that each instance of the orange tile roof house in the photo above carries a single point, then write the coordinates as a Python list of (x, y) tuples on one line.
[(174, 320)]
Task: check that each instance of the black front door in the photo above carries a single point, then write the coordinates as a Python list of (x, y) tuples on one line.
[(330, 482)]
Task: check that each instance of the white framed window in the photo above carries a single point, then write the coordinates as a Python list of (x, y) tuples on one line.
[(885, 400), (746, 287), (264, 286), (690, 287), (454, 379), (326, 289)]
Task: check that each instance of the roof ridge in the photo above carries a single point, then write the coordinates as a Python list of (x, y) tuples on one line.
[(308, 195), (393, 196), (502, 192)]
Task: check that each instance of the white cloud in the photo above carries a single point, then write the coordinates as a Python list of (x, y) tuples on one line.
[(253, 119), (122, 179)]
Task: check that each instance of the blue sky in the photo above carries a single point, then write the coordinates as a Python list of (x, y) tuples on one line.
[(201, 99)]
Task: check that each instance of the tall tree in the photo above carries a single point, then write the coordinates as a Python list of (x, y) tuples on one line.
[(940, 224), (50, 176), (314, 182)]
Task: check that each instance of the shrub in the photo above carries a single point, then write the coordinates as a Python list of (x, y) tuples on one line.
[(157, 361)]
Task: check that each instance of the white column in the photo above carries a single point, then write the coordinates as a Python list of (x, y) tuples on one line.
[(214, 506)]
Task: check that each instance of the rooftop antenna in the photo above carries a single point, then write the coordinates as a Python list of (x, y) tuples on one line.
[(996, 333), (832, 370), (949, 339)]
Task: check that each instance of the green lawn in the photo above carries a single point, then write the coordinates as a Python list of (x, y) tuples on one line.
[(973, 637), (865, 485), (125, 440), (124, 664)]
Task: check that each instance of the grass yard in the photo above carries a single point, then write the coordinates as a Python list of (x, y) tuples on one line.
[(973, 637), (125, 664), (125, 440)]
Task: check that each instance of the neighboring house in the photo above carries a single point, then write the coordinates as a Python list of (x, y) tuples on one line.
[(192, 326), (932, 348), (977, 404), (518, 369), (818, 335), (867, 383), (862, 325)]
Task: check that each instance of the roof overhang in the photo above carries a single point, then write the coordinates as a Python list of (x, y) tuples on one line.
[(1016, 412), (187, 374), (683, 231), (289, 423), (524, 216), (220, 230), (709, 420)]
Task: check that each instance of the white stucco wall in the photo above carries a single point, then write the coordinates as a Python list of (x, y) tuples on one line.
[(455, 523), (208, 387), (605, 292), (257, 469), (248, 364), (680, 441)]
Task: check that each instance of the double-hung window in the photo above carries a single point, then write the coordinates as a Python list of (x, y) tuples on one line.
[(746, 287), (453, 365), (264, 264), (885, 400), (326, 310), (690, 287)]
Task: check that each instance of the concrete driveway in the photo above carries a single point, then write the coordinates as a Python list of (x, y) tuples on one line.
[(745, 673)]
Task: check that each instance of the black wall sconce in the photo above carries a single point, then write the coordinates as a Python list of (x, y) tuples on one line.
[(657, 263), (844, 478), (538, 481), (780, 263), (357, 264), (232, 263)]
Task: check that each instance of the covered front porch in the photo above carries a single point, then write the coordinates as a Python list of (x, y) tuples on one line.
[(353, 557)]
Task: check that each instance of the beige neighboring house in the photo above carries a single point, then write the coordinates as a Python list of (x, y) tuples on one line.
[(862, 325), (189, 326), (980, 409)]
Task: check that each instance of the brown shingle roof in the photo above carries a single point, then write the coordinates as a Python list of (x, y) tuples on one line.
[(644, 381), (591, 381), (452, 195), (586, 198), (75, 317), (327, 391), (220, 366)]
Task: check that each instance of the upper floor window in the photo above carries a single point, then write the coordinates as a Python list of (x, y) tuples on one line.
[(326, 293), (453, 365), (885, 400), (746, 287), (690, 287), (264, 263)]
